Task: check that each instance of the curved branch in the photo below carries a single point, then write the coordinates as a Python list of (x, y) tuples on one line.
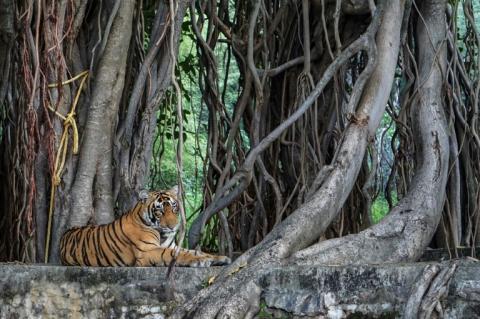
[(309, 221)]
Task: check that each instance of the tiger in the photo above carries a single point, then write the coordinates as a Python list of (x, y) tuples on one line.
[(144, 236)]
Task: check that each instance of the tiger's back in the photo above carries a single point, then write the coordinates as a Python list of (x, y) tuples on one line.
[(103, 245)]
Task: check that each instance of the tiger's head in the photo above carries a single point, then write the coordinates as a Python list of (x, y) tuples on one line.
[(161, 210)]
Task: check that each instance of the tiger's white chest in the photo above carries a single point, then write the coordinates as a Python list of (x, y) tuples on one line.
[(169, 241)]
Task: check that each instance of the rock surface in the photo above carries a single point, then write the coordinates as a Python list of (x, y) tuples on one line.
[(34, 291), (364, 291)]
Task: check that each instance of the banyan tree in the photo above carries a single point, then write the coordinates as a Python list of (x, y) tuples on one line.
[(335, 104)]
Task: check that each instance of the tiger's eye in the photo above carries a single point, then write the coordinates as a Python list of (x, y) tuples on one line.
[(175, 206)]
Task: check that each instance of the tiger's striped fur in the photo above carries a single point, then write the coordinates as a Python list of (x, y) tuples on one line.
[(144, 236)]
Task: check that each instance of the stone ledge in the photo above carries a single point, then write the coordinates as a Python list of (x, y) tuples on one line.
[(32, 291), (40, 291), (369, 291)]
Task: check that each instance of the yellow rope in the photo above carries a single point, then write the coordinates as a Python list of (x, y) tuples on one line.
[(68, 123)]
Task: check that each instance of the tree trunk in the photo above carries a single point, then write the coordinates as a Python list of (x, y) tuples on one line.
[(409, 227)]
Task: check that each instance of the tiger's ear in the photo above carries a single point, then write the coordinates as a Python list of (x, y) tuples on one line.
[(173, 190), (143, 195)]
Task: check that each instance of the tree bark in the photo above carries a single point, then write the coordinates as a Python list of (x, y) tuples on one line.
[(97, 141), (408, 229)]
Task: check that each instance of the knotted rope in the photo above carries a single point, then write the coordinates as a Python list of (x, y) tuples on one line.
[(68, 124)]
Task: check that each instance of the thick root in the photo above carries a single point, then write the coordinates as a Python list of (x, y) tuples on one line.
[(426, 297), (234, 295)]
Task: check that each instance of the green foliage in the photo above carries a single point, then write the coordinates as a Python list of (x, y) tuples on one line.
[(462, 30), (263, 313), (163, 168), (383, 142), (380, 207)]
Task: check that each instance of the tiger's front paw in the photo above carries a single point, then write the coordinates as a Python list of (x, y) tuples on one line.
[(221, 261), (212, 261)]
